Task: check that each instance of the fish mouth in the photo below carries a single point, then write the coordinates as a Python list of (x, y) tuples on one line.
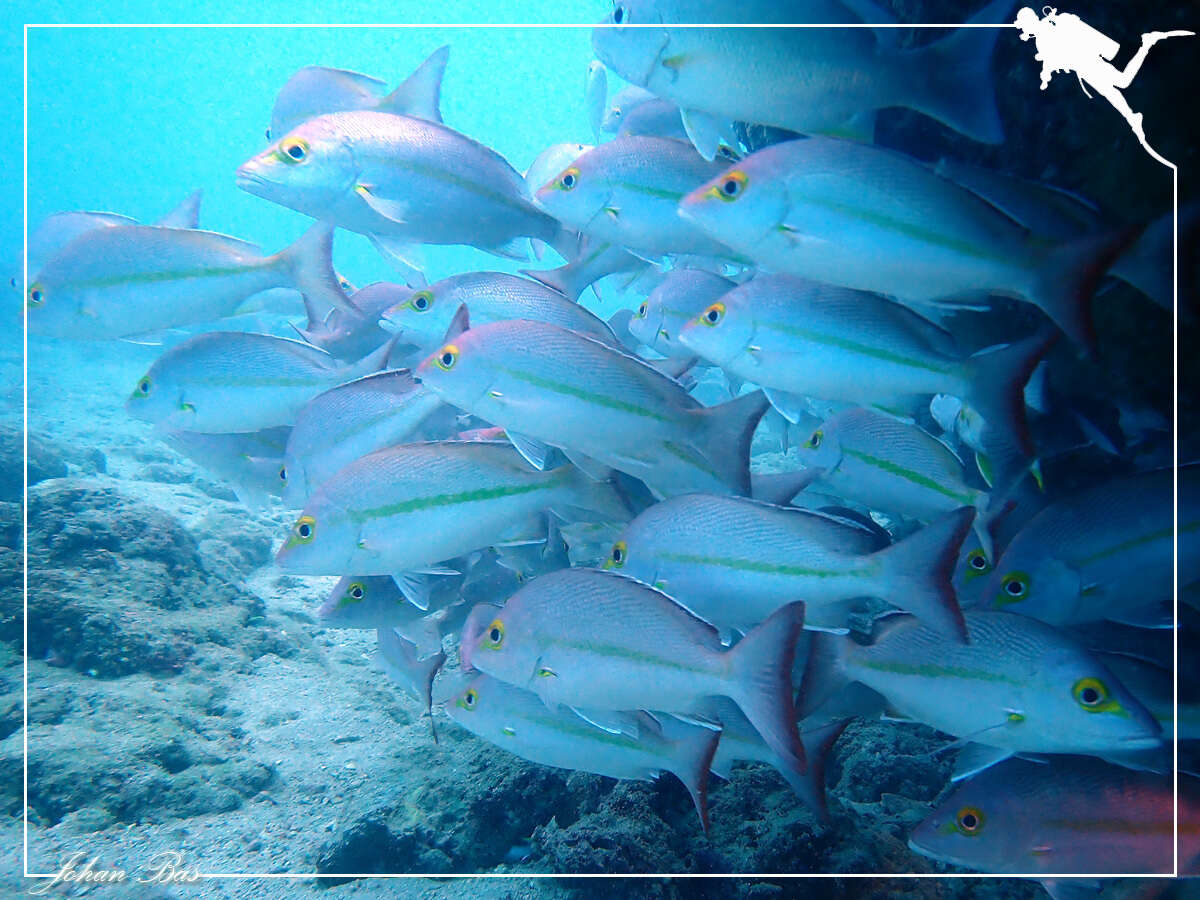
[(247, 178), (916, 847)]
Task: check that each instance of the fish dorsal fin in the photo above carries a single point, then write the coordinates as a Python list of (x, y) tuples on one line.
[(460, 323), (420, 94), (186, 214)]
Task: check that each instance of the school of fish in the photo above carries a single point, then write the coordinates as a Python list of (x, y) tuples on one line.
[(790, 483)]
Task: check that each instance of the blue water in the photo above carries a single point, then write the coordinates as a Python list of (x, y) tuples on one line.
[(130, 120)]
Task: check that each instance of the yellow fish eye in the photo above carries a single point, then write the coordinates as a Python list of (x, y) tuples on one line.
[(469, 698), (1093, 695), (814, 440), (969, 821), (283, 473), (293, 150), (446, 357), (421, 301), (37, 296), (303, 531), (642, 311), (357, 591), (494, 636), (143, 387), (730, 187), (1014, 587), (618, 555), (568, 179), (977, 563), (713, 315)]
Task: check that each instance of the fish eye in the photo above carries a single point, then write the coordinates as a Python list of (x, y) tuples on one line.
[(294, 150), (642, 311), (619, 15), (356, 591), (283, 473), (1014, 586), (446, 357), (977, 563), (969, 820), (469, 698), (1093, 695), (304, 530), (714, 314), (495, 635), (37, 296), (619, 554), (568, 179), (814, 440), (421, 301), (730, 187), (143, 387)]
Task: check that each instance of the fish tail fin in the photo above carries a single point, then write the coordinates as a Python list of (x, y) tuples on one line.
[(562, 279), (810, 787), (823, 676), (956, 75), (420, 94), (309, 261), (997, 379), (761, 675), (1067, 276), (729, 430), (692, 764), (919, 570)]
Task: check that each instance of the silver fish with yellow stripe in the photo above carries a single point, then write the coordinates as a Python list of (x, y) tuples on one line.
[(892, 467), (734, 561), (516, 720), (239, 381), (408, 508), (597, 404), (872, 219), (1019, 685), (1105, 553), (133, 279), (597, 640)]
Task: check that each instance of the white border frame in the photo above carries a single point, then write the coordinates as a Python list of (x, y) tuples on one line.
[(1175, 439)]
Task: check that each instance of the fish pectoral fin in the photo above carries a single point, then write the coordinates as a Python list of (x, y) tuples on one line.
[(518, 248), (699, 721), (792, 407), (974, 758), (606, 720), (401, 257), (417, 586), (393, 210), (592, 468), (707, 132), (535, 452)]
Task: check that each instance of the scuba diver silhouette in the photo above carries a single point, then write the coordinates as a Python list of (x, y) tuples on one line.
[(1065, 43)]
